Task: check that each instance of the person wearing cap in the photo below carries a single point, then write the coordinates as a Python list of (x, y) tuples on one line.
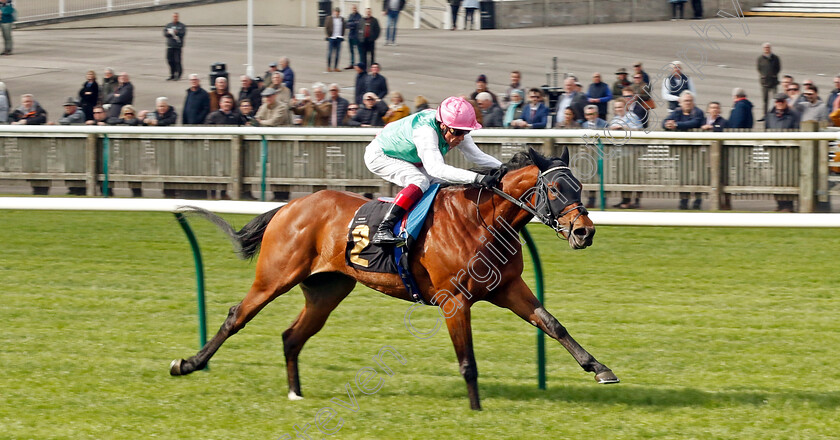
[(73, 115), (361, 82), (409, 153), (781, 117), (338, 111), (638, 69), (481, 86), (272, 112), (675, 84), (272, 67), (621, 82)]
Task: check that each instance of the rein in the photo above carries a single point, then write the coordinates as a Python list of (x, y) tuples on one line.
[(549, 220)]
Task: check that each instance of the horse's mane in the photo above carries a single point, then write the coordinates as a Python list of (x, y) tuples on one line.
[(519, 160)]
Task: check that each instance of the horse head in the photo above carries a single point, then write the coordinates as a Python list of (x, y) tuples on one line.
[(556, 199)]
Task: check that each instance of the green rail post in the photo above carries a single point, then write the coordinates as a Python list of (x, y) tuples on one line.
[(601, 175), (538, 275), (106, 148), (199, 279), (263, 162)]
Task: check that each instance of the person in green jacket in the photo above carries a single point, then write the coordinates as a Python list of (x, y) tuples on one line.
[(7, 17)]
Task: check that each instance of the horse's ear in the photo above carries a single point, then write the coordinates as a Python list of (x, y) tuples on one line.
[(565, 156), (537, 158)]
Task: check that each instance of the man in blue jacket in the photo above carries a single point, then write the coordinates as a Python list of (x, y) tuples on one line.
[(741, 116), (535, 114), (684, 118), (196, 104), (599, 93)]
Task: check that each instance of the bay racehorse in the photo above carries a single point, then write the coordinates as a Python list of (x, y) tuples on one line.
[(304, 244)]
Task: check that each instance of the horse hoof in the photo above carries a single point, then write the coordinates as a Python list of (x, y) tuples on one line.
[(175, 367), (294, 396), (606, 377)]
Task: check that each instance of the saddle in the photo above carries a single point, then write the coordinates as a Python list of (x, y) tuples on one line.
[(361, 254)]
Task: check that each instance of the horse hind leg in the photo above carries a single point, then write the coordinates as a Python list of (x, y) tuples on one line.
[(323, 293), (259, 296)]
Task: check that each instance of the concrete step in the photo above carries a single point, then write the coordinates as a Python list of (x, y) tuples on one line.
[(798, 8)]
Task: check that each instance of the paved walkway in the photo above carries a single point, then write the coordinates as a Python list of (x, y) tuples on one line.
[(52, 63)]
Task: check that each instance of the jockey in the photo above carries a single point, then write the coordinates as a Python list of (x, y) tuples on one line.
[(409, 152)]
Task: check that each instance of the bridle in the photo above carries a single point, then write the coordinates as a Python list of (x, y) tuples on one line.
[(547, 217)]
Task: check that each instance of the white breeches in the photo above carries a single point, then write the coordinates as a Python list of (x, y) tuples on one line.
[(394, 170)]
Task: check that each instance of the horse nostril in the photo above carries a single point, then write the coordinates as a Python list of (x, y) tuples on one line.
[(580, 232)]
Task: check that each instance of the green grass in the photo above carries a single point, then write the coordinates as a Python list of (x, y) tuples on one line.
[(715, 334)]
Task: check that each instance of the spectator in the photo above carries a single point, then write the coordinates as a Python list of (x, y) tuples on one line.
[(247, 114), (420, 103), (352, 111), (99, 116), (621, 82), (89, 94), (248, 90), (534, 114), (353, 21), (769, 67), (829, 103), (786, 81), (368, 34), (782, 118), (127, 116), (515, 84), (568, 120), (491, 114), (514, 109), (685, 118), (642, 88), (377, 83), (697, 7), (109, 84), (813, 109), (361, 82), (572, 98), (225, 114), (714, 121), (338, 112), (196, 103), (454, 6), (794, 95), (469, 10), (675, 85), (741, 116), (622, 119), (122, 95), (174, 33), (288, 73), (593, 118), (397, 110), (335, 28), (314, 112), (272, 69), (391, 9), (272, 112), (599, 94), (8, 15), (5, 105), (370, 114), (220, 90), (633, 104), (677, 6), (73, 115), (29, 112), (163, 116), (481, 86), (639, 70), (276, 83)]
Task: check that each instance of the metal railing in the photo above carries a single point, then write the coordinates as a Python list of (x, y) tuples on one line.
[(34, 10)]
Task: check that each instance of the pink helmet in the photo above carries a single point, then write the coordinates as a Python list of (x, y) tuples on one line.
[(458, 113)]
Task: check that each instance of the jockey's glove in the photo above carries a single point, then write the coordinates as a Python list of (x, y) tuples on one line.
[(487, 180)]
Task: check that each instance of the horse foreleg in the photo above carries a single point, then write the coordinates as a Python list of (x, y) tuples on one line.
[(460, 330), (517, 297)]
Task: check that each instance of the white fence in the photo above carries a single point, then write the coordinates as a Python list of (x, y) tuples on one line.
[(693, 219)]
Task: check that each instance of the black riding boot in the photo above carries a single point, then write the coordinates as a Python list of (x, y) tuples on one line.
[(385, 231)]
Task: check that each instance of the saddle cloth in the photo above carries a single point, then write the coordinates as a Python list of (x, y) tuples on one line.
[(363, 255)]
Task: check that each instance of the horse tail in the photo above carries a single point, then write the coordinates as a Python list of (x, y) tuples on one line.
[(246, 241)]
